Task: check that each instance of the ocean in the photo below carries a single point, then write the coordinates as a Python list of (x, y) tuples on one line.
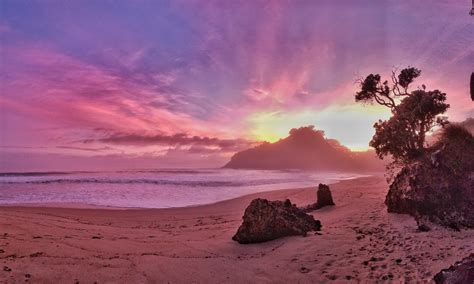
[(162, 188)]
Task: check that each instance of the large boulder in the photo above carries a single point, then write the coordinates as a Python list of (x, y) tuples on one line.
[(438, 187), (460, 272), (324, 198), (265, 220)]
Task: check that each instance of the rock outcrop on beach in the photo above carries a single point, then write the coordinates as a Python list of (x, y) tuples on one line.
[(460, 272), (324, 199), (439, 186), (305, 148), (265, 220)]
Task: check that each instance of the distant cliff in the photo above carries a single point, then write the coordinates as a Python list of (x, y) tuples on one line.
[(308, 149)]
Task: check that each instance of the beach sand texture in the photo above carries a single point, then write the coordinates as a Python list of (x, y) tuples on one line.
[(359, 241)]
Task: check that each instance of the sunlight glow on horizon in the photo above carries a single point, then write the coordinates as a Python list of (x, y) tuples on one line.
[(350, 124)]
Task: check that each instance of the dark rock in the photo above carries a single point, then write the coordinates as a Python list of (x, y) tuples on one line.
[(423, 228), (423, 191), (265, 220), (324, 198), (460, 272), (438, 187)]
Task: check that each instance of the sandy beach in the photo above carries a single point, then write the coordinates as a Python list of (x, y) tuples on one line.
[(359, 241)]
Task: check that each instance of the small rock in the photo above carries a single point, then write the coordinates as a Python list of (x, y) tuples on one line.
[(324, 198), (7, 269), (423, 228)]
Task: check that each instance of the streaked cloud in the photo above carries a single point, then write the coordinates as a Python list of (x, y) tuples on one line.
[(167, 78), (179, 139)]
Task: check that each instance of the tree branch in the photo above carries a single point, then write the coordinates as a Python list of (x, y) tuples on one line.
[(396, 89)]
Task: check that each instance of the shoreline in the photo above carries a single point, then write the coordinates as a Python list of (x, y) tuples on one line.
[(103, 207), (359, 242)]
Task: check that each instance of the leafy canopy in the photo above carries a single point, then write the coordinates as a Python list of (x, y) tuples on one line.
[(414, 113)]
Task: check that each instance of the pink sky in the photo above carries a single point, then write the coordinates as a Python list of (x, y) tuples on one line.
[(102, 85)]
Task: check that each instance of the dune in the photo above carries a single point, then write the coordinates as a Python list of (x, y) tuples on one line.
[(359, 241)]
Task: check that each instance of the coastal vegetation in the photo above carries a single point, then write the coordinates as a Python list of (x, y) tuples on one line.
[(433, 183)]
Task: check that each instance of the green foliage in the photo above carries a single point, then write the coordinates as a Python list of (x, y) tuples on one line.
[(413, 114)]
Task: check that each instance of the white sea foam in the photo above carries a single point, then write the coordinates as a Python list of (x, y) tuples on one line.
[(152, 188)]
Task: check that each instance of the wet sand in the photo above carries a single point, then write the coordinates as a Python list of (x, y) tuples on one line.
[(359, 241)]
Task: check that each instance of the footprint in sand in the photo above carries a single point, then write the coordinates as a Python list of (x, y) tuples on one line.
[(304, 269)]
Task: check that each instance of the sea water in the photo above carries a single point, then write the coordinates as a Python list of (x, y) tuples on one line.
[(152, 188)]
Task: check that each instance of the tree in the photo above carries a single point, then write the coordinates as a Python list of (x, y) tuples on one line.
[(413, 114)]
